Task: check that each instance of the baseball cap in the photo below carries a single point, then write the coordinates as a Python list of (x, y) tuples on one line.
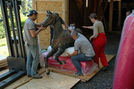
[(31, 12)]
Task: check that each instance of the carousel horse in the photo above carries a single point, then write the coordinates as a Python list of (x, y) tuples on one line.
[(62, 39)]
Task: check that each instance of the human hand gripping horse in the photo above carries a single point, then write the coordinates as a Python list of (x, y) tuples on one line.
[(62, 39)]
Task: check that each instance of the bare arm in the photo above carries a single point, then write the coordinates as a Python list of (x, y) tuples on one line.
[(35, 33), (88, 27), (66, 26)]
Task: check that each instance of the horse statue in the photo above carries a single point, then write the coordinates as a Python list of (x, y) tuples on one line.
[(62, 39)]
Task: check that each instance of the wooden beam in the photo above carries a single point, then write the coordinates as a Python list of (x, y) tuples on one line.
[(86, 3), (66, 10), (34, 4), (114, 0), (119, 16), (110, 15), (95, 6)]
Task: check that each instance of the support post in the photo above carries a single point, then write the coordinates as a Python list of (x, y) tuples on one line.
[(34, 4), (111, 15), (95, 6), (66, 10), (119, 17)]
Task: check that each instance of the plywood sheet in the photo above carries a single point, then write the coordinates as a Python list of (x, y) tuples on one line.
[(54, 81), (22, 81)]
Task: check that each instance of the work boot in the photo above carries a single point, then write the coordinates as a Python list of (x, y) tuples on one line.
[(47, 71), (37, 76)]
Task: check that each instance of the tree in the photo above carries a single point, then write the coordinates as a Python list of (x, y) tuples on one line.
[(26, 6), (2, 31)]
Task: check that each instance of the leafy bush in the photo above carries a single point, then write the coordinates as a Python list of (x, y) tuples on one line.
[(23, 19), (3, 42), (2, 31)]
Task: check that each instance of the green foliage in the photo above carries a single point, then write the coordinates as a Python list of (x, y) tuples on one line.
[(3, 42), (2, 31), (26, 6), (23, 19), (3, 47)]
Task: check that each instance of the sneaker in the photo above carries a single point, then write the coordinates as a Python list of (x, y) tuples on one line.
[(78, 74), (37, 76)]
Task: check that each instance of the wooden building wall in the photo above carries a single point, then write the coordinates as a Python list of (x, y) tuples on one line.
[(59, 6)]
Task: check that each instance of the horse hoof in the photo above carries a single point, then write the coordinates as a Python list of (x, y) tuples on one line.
[(47, 72), (62, 62)]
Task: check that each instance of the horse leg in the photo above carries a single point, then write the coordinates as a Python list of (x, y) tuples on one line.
[(46, 59), (57, 54)]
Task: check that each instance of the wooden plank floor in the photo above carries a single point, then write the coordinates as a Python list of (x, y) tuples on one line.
[(3, 62)]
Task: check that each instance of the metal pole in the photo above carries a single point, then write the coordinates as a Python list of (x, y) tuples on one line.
[(13, 28), (19, 41), (20, 30)]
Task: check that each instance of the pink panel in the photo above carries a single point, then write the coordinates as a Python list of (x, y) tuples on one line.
[(124, 73)]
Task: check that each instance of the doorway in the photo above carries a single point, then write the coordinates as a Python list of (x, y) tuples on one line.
[(79, 11)]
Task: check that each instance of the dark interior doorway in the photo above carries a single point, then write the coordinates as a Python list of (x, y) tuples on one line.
[(79, 11), (126, 4)]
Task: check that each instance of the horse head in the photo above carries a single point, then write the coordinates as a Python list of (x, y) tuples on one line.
[(50, 19)]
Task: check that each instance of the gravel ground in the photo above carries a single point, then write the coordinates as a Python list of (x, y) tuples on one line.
[(104, 79)]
